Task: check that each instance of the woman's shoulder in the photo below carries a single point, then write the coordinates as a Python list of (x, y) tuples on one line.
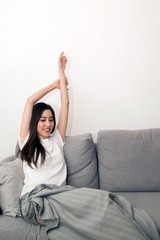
[(57, 137), (22, 143)]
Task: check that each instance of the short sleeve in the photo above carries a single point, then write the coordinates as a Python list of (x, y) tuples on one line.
[(21, 144), (58, 139)]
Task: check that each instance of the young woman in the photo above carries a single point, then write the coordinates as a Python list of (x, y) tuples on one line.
[(41, 141)]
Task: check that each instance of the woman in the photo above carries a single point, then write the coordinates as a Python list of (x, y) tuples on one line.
[(41, 142)]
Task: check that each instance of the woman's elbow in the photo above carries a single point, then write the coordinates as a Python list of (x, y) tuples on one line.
[(30, 100)]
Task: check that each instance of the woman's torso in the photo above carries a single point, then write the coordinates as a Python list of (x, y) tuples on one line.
[(52, 171)]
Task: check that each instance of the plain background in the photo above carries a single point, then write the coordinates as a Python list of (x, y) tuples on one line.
[(113, 50)]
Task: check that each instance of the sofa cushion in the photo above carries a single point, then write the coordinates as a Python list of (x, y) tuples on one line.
[(8, 159), (80, 155), (148, 201), (11, 182), (129, 160)]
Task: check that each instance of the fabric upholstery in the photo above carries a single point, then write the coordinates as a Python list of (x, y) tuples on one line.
[(80, 155), (148, 201), (8, 159), (11, 182), (129, 160)]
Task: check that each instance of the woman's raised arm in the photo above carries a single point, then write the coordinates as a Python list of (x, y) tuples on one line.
[(27, 113), (63, 116)]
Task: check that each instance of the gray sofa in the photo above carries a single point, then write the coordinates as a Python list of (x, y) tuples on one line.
[(126, 162)]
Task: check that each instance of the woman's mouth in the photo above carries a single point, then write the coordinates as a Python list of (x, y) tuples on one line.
[(47, 130)]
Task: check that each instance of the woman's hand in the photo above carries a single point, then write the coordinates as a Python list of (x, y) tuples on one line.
[(57, 83), (63, 115), (62, 61)]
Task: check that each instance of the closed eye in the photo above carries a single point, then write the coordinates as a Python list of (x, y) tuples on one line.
[(44, 119)]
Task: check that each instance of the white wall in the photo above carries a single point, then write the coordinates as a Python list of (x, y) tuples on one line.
[(113, 49)]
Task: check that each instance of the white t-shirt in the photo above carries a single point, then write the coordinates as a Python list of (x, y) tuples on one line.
[(52, 171)]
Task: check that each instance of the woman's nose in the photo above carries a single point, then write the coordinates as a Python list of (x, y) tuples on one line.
[(47, 123)]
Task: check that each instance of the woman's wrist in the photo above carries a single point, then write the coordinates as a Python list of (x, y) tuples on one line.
[(61, 73)]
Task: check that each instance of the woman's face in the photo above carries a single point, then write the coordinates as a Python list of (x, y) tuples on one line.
[(45, 124)]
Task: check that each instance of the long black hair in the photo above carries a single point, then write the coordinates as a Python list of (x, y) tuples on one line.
[(33, 147)]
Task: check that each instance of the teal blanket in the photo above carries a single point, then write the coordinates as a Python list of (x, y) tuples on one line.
[(86, 214)]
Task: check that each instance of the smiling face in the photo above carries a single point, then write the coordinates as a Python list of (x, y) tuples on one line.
[(45, 124)]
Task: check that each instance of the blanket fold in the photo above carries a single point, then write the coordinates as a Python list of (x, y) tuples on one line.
[(86, 214)]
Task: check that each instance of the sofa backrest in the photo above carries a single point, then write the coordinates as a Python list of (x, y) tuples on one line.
[(129, 160)]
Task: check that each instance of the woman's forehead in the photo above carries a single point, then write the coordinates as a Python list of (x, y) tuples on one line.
[(46, 113)]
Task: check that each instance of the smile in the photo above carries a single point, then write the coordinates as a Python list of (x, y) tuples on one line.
[(47, 130)]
